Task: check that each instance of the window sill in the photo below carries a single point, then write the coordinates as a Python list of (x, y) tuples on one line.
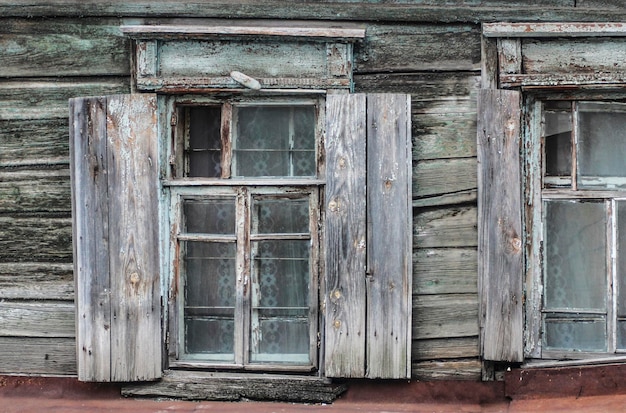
[(537, 363), (195, 385)]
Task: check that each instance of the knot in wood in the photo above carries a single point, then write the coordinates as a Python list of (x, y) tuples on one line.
[(337, 324), (134, 278), (333, 205), (342, 162)]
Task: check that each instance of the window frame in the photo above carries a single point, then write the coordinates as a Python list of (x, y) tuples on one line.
[(536, 194), (176, 187)]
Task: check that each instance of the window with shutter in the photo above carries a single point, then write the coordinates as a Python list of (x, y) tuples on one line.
[(551, 193), (275, 228)]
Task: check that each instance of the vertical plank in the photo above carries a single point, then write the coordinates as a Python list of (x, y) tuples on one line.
[(345, 242), (509, 56), (389, 239), (133, 237), (90, 235), (499, 223)]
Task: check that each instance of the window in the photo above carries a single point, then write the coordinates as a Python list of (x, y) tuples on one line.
[(224, 227), (551, 192), (245, 222), (582, 224)]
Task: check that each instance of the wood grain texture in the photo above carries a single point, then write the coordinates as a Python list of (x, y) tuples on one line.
[(388, 218), (132, 185), (500, 221), (443, 176), (445, 270), (35, 239), (88, 151), (445, 316), (36, 319), (114, 179), (39, 356), (47, 99), (39, 142), (430, 11), (63, 47), (461, 369), (386, 48), (345, 235), (41, 192), (445, 348), (238, 387), (36, 281), (587, 55), (445, 227)]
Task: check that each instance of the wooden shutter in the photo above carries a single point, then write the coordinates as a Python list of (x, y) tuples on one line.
[(113, 149), (500, 225), (368, 236)]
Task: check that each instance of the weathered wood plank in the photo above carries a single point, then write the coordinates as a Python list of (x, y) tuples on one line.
[(345, 233), (588, 55), (445, 227), (462, 369), (388, 218), (445, 348), (39, 142), (445, 271), (63, 47), (46, 356), (423, 86), (90, 209), (500, 263), (444, 176), (232, 387), (35, 239), (445, 316), (36, 281), (555, 11), (36, 319), (114, 178), (40, 191), (444, 135), (425, 47), (457, 198), (46, 99)]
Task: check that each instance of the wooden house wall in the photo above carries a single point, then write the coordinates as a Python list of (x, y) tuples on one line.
[(428, 48)]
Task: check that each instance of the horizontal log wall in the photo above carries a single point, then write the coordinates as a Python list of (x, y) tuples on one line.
[(442, 77), (53, 50), (45, 62)]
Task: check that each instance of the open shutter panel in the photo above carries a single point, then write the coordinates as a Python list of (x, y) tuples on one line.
[(500, 225), (368, 236), (113, 142)]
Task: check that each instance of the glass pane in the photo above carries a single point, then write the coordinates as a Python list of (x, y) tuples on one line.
[(205, 142), (621, 335), (575, 255), (280, 301), (621, 258), (579, 335), (210, 298), (209, 216), (602, 143), (558, 138), (282, 216), (275, 141)]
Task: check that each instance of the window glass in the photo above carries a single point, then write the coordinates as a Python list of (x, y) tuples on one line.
[(209, 313), (558, 138), (209, 216), (274, 141), (602, 143), (575, 269), (575, 335), (204, 147)]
